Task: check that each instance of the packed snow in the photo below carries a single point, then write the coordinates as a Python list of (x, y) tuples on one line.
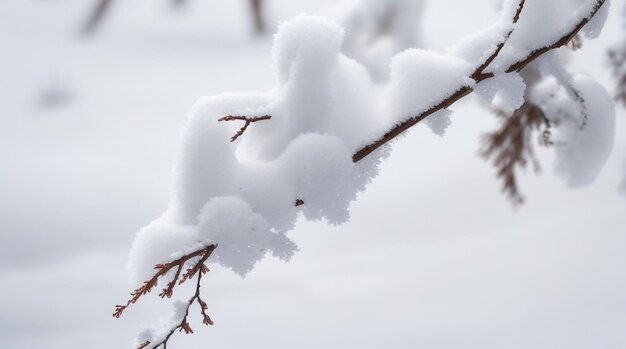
[(503, 91), (245, 200)]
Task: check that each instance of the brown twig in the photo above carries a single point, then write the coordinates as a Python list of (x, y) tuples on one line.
[(198, 268), (248, 121), (163, 269), (466, 90), (617, 58), (184, 326), (257, 16), (479, 73), (511, 146)]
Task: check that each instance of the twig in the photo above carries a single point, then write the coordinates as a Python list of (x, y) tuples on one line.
[(163, 269), (184, 326), (511, 147), (245, 126), (257, 16), (96, 16), (199, 268), (465, 91), (617, 59), (480, 74)]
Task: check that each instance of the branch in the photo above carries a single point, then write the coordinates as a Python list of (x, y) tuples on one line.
[(511, 147), (478, 76), (617, 58), (163, 269), (245, 126), (184, 326), (96, 16), (257, 16), (564, 40)]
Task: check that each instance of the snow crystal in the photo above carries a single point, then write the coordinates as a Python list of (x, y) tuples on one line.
[(439, 122), (504, 91), (229, 221), (157, 334), (157, 243)]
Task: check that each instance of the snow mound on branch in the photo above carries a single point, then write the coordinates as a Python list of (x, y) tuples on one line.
[(157, 334), (476, 47), (504, 91), (583, 139), (421, 79), (553, 19), (439, 122), (242, 194), (593, 29)]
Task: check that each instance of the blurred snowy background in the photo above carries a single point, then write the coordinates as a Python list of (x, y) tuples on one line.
[(433, 256)]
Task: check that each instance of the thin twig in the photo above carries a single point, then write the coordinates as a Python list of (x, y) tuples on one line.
[(163, 269), (257, 16), (96, 16), (184, 326), (617, 58), (248, 121), (510, 147)]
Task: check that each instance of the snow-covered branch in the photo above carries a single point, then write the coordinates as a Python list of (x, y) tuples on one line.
[(327, 126), (477, 76), (163, 269), (195, 263)]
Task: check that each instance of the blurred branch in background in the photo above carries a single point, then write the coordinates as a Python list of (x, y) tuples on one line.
[(510, 147), (257, 13), (180, 2), (98, 13), (103, 7), (56, 92)]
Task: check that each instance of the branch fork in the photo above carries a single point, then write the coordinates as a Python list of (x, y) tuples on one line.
[(247, 120), (197, 268)]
